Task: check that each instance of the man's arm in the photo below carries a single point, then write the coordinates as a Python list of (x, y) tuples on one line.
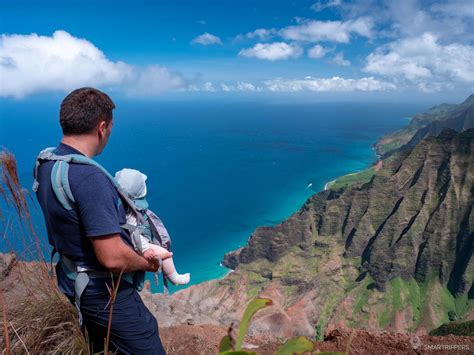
[(116, 256)]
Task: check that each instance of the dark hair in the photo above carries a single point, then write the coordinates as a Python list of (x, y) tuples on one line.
[(83, 109)]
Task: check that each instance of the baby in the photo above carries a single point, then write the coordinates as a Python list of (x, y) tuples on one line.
[(133, 183)]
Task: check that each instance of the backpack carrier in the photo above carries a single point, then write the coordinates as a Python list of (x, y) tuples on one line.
[(81, 274)]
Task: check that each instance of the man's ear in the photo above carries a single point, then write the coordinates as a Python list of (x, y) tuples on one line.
[(102, 127)]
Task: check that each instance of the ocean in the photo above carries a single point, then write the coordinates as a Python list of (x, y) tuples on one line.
[(216, 169)]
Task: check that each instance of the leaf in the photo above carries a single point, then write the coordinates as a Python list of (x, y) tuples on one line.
[(296, 345), (252, 308), (225, 344)]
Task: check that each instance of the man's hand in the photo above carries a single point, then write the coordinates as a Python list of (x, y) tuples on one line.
[(116, 256), (153, 253)]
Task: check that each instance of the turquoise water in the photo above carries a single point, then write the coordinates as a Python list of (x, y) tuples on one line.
[(217, 170)]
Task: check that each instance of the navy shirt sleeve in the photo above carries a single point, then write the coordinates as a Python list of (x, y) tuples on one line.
[(97, 203)]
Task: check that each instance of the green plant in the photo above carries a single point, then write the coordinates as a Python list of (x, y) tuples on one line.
[(232, 345), (295, 345)]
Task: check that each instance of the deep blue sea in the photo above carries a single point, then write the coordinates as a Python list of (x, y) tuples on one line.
[(217, 169)]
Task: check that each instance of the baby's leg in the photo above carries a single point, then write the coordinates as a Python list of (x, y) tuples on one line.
[(168, 264), (169, 269)]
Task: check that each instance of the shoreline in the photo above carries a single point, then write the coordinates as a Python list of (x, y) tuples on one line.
[(328, 184)]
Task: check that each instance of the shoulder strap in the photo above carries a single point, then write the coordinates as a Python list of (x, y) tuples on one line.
[(60, 178)]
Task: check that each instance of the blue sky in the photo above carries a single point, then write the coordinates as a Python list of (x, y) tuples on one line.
[(153, 48)]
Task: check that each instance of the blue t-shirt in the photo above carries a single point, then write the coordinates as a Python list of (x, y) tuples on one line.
[(98, 211)]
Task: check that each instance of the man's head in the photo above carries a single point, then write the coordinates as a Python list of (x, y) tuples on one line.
[(86, 113)]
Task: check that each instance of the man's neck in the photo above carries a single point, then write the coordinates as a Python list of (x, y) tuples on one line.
[(84, 143)]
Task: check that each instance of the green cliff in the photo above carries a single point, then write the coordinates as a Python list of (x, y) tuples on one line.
[(432, 122), (390, 252)]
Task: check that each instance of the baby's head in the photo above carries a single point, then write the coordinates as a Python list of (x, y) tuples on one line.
[(133, 183)]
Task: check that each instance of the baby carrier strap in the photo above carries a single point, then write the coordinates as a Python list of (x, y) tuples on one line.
[(60, 178)]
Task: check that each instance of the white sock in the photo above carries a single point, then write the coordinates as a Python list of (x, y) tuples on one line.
[(178, 279)]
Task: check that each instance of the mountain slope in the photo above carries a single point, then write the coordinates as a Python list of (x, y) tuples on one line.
[(394, 253), (432, 122)]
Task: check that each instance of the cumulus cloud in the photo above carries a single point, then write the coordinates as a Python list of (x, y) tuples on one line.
[(422, 58), (240, 86), (272, 51), (31, 63), (321, 5), (261, 34), (340, 60), (317, 52), (226, 88), (456, 8), (154, 80), (207, 39), (451, 20), (209, 87), (336, 31), (334, 84)]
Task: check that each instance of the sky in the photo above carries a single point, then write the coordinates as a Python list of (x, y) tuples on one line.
[(150, 49)]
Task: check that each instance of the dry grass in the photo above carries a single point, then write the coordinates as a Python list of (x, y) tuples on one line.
[(11, 184), (39, 320), (46, 326)]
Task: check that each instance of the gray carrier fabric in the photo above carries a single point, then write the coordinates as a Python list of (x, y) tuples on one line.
[(160, 230)]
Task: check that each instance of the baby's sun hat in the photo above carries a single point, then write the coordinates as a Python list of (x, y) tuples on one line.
[(133, 183)]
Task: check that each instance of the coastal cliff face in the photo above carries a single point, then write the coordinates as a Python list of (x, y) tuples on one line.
[(392, 253), (430, 123)]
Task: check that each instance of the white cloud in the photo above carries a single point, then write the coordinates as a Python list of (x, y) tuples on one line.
[(272, 51), (227, 88), (206, 39), (261, 33), (321, 5), (446, 20), (422, 58), (309, 84), (154, 80), (334, 84), (31, 64), (317, 51), (337, 31), (202, 22), (340, 60), (240, 86), (208, 87), (456, 8)]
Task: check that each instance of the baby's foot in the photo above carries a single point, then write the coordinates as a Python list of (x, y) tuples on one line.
[(179, 279)]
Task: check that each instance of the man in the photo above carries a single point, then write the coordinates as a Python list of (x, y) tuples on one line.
[(90, 234)]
